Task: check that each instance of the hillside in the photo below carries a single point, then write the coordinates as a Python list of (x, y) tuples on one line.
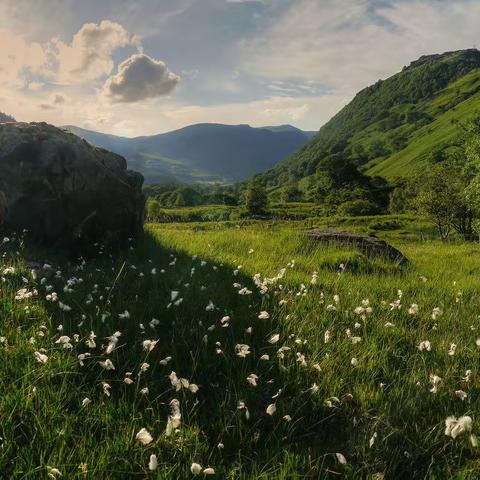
[(399, 125), (203, 152)]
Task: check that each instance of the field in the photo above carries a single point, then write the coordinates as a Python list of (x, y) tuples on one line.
[(245, 352)]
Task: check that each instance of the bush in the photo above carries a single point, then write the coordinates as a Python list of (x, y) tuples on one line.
[(356, 208)]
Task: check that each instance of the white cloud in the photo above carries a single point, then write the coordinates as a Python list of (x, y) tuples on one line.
[(89, 55), (18, 58), (140, 77), (349, 44)]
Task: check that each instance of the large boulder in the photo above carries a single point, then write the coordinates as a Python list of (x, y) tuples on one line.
[(65, 191), (370, 246)]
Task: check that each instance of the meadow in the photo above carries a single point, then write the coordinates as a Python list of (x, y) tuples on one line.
[(240, 350)]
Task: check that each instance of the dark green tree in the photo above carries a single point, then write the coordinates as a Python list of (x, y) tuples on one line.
[(256, 198)]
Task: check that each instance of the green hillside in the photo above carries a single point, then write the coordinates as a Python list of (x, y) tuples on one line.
[(398, 125)]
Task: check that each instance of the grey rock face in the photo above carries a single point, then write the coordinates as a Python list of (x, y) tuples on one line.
[(65, 191)]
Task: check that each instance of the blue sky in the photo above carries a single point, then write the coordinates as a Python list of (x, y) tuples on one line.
[(133, 67)]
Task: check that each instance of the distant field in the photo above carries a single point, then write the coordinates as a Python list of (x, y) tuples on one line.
[(312, 371)]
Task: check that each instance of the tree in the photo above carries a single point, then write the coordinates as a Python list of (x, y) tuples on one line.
[(256, 199), (153, 210), (292, 193), (441, 198)]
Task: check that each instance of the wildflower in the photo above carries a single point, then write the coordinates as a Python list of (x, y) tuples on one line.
[(144, 437), (90, 341), (461, 394), (354, 362), (86, 401), (40, 357), (106, 388), (451, 350), (107, 364), (196, 469), (64, 341), (144, 367), (144, 391), (425, 345), (274, 339), (242, 350), (113, 340), (265, 357), (341, 458), (54, 472), (287, 418), (174, 418), (435, 380), (436, 313), (271, 409), (252, 379), (127, 381), (225, 321), (210, 307), (264, 315), (455, 427), (124, 316), (372, 439), (209, 471), (413, 310), (152, 463), (64, 307), (327, 336)]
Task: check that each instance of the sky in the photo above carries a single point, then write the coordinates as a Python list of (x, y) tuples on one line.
[(141, 67)]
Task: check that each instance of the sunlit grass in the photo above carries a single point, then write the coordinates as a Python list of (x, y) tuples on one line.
[(335, 405)]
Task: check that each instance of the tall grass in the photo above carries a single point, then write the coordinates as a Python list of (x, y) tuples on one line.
[(377, 411)]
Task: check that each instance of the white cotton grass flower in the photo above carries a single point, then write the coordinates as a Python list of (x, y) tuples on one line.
[(153, 462), (196, 469), (54, 472), (242, 350), (174, 418), (271, 409), (455, 427), (461, 395), (436, 313), (65, 342), (264, 315), (274, 338), (40, 357), (435, 380), (341, 458), (451, 350), (208, 471), (107, 364), (86, 401), (149, 345), (425, 345), (143, 437), (252, 379)]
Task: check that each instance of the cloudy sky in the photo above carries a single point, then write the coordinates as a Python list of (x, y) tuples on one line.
[(139, 67)]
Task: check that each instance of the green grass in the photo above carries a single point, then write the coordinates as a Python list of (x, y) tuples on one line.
[(387, 393)]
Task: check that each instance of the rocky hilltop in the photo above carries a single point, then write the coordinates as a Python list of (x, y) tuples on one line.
[(65, 191)]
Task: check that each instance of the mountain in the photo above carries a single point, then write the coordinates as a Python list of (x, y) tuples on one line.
[(396, 126), (6, 118), (203, 152)]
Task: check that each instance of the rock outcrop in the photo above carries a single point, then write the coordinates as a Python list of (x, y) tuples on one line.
[(65, 191), (370, 246)]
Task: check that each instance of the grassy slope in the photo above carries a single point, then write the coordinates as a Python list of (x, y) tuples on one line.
[(443, 132), (446, 87), (44, 424)]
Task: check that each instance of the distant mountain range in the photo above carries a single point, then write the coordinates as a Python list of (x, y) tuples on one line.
[(397, 126), (204, 152)]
